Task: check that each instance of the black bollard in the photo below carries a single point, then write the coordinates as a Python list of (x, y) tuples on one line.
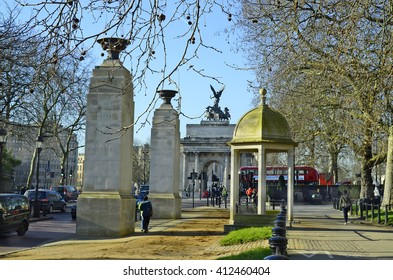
[(281, 218), (280, 223), (278, 245), (276, 257), (279, 231)]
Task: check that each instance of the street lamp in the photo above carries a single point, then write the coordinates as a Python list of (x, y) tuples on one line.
[(38, 146), (193, 177), (3, 140)]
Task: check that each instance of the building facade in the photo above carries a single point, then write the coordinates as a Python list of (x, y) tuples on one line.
[(79, 173), (22, 145)]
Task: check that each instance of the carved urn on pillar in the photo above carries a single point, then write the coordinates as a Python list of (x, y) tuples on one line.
[(167, 95), (113, 46)]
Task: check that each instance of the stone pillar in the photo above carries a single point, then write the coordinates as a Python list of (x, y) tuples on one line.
[(290, 184), (165, 160), (234, 192), (262, 189), (197, 184), (226, 168), (106, 207), (185, 170)]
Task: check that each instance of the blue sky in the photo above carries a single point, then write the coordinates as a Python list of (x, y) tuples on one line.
[(195, 90)]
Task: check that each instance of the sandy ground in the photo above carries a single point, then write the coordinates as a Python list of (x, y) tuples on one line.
[(188, 240)]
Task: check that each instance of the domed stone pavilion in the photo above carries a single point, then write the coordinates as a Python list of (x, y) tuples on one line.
[(261, 130)]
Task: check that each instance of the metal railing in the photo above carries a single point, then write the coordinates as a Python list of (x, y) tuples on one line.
[(367, 209)]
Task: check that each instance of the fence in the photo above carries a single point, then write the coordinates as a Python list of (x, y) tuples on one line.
[(367, 209)]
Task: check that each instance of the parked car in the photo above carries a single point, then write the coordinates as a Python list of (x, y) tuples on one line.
[(49, 200), (67, 192), (14, 213)]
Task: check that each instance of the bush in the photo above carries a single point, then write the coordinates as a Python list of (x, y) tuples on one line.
[(246, 235)]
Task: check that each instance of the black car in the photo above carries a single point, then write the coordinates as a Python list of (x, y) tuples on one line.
[(67, 192), (49, 200), (14, 213)]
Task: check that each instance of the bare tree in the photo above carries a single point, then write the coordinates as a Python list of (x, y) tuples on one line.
[(148, 25), (340, 51)]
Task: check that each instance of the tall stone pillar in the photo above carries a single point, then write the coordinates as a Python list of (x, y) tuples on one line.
[(106, 207), (226, 169), (185, 170), (165, 160), (197, 185)]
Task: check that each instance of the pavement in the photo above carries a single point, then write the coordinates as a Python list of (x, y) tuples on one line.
[(318, 232)]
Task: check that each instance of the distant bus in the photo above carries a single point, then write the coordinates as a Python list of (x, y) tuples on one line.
[(278, 175)]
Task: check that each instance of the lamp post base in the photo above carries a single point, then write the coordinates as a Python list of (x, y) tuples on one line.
[(36, 209)]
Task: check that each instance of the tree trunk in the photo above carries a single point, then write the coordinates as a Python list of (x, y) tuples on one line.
[(31, 171), (333, 166), (366, 176), (387, 192)]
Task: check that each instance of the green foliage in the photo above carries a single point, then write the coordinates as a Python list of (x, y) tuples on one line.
[(246, 235), (9, 163), (254, 254)]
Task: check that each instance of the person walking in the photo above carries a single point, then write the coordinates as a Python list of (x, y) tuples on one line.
[(146, 210), (224, 195), (345, 205)]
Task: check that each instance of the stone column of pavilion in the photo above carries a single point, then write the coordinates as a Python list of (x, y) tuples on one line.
[(165, 160), (106, 207)]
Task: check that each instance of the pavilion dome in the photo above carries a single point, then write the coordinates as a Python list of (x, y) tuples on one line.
[(262, 124)]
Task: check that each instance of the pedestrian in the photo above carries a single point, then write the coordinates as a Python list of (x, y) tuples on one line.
[(377, 195), (224, 194), (254, 197), (146, 210), (345, 205), (249, 194)]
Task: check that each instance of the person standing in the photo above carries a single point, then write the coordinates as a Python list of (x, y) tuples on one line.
[(249, 194), (377, 195), (146, 210), (345, 205)]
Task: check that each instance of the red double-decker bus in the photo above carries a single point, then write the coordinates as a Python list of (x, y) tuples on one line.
[(278, 175)]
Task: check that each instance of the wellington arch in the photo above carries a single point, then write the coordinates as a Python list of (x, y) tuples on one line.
[(205, 151)]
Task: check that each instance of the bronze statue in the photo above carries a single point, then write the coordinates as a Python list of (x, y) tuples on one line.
[(217, 95), (214, 112)]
